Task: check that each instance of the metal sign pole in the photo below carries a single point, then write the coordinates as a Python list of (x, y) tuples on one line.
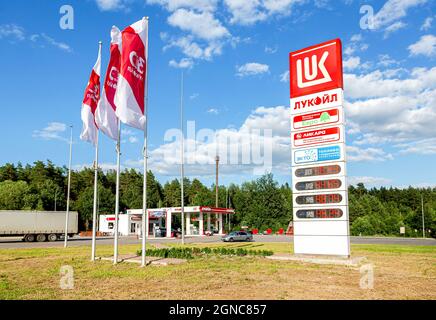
[(68, 189)]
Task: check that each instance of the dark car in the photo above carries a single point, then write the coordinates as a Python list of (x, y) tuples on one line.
[(162, 232), (237, 236)]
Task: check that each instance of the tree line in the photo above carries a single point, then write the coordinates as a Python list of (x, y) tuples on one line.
[(262, 203)]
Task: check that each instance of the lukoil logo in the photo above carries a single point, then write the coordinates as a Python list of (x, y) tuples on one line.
[(311, 69)]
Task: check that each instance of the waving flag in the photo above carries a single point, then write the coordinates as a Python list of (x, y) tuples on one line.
[(89, 104), (129, 97), (105, 116)]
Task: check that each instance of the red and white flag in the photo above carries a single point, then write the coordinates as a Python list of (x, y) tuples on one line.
[(105, 116), (129, 97), (89, 104)]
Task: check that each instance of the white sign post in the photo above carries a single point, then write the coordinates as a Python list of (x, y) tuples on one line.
[(320, 194)]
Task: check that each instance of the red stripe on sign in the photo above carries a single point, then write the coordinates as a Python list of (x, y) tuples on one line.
[(316, 133)]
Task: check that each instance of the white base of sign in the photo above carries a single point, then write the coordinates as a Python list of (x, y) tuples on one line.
[(328, 245), (325, 228)]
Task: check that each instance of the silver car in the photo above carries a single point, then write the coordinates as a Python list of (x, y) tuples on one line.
[(237, 236)]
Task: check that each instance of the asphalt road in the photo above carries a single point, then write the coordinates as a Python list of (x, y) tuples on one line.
[(16, 242)]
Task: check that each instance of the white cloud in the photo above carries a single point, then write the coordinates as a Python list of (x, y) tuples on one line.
[(172, 5), (424, 146), (195, 50), (394, 10), (213, 111), (393, 28), (270, 50), (284, 77), (426, 46), (202, 25), (351, 63), (427, 24), (51, 132), (248, 12), (368, 181), (184, 63), (110, 5), (17, 33), (385, 60), (397, 113), (12, 31), (43, 38), (200, 152), (194, 96), (133, 139), (251, 69), (357, 154)]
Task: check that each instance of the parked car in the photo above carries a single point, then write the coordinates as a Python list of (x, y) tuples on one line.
[(162, 232), (237, 236)]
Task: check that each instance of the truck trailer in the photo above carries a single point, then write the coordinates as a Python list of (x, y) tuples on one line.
[(37, 226)]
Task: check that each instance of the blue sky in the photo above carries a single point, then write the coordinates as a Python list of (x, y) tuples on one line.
[(234, 55)]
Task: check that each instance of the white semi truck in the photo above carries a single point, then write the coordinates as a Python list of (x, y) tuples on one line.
[(37, 226)]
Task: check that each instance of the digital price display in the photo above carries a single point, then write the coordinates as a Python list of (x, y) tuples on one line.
[(319, 199), (319, 213), (318, 185), (318, 171)]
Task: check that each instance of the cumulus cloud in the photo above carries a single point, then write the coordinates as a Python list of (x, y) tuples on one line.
[(203, 24), (392, 11), (351, 63), (248, 12), (426, 46), (184, 63), (252, 69), (259, 145), (427, 24), (111, 5), (52, 131), (397, 113)]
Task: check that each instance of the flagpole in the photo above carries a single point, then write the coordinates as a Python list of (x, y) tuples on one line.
[(182, 170), (117, 194), (144, 191), (94, 210), (68, 190)]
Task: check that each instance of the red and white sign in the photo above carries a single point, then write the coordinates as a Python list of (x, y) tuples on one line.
[(317, 101), (320, 136), (316, 68)]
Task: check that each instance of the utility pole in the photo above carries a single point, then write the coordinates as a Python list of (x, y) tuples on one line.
[(182, 163), (422, 211), (217, 160)]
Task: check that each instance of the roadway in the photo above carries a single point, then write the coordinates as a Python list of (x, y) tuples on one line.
[(16, 242)]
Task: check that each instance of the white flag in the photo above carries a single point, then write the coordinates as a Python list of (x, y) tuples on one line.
[(105, 116), (89, 104), (129, 97)]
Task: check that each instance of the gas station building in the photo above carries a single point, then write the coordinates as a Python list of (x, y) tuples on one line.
[(196, 218)]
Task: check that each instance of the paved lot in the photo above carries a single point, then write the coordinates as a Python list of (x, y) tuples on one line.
[(15, 242)]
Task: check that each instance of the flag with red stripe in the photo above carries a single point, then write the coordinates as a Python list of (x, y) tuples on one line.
[(129, 96), (105, 116), (89, 104)]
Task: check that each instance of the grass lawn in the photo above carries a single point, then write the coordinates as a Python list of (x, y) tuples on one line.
[(400, 272)]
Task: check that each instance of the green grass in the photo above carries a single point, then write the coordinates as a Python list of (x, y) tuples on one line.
[(34, 274)]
